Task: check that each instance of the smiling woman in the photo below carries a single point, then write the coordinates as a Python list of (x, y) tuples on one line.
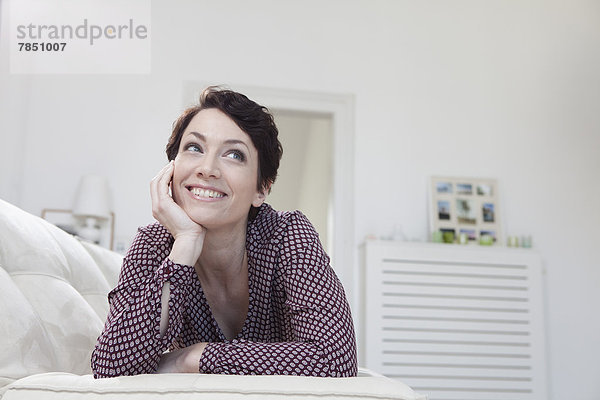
[(222, 283)]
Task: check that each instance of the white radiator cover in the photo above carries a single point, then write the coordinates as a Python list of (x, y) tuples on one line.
[(455, 322)]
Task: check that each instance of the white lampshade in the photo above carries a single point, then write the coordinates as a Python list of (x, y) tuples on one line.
[(92, 197)]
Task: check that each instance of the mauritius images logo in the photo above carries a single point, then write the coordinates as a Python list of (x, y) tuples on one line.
[(84, 31), (80, 36)]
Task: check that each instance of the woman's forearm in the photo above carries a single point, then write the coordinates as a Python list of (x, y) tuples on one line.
[(185, 251), (141, 325)]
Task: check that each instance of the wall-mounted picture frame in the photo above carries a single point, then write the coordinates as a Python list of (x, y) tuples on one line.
[(65, 220), (465, 205)]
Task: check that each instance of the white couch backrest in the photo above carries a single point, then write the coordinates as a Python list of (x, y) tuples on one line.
[(53, 300)]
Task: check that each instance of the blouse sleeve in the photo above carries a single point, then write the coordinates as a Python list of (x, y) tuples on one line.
[(131, 343), (321, 332)]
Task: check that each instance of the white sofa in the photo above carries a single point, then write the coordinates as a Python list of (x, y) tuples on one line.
[(52, 307)]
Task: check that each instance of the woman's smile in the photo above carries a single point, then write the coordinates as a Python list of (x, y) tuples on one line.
[(204, 193)]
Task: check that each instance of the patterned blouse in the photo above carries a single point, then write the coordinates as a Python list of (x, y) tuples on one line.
[(298, 320)]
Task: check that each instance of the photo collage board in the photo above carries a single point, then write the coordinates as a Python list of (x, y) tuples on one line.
[(465, 206)]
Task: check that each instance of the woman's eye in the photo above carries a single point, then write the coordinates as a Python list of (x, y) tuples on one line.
[(193, 147), (236, 155)]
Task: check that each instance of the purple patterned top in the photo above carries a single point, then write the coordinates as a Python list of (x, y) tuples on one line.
[(298, 321)]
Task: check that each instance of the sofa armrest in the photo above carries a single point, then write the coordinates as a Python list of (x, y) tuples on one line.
[(64, 386)]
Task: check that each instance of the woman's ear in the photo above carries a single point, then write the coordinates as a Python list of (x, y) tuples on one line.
[(261, 195)]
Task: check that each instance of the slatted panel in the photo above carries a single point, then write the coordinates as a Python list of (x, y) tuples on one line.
[(455, 322)]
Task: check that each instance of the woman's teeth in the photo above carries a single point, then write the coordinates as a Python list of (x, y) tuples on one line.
[(206, 193)]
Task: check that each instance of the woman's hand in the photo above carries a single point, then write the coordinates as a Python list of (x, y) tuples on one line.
[(181, 360), (189, 236), (164, 208)]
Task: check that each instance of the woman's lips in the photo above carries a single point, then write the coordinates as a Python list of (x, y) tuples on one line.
[(206, 193)]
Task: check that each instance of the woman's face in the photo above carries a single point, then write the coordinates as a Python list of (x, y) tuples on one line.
[(216, 170)]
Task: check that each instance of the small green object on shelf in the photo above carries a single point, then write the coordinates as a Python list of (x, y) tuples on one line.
[(448, 237), (486, 240), (437, 237)]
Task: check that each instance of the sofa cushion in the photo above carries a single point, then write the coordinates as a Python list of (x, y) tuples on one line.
[(25, 349), (70, 323), (106, 260), (26, 244), (52, 296), (55, 386), (83, 272)]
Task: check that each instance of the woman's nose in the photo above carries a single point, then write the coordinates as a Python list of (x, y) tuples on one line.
[(208, 167)]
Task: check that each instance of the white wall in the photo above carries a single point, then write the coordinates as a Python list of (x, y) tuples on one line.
[(502, 89)]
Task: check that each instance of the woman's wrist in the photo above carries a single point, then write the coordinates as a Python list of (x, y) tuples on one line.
[(186, 249), (185, 360), (192, 357)]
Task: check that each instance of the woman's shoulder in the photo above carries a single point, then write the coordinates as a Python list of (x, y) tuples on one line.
[(270, 224), (287, 235)]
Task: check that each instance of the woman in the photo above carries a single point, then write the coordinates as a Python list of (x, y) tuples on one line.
[(223, 283)]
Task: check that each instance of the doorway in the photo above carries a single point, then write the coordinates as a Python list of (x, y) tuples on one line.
[(305, 176)]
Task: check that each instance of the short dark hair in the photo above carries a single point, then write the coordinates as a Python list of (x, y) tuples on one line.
[(255, 120)]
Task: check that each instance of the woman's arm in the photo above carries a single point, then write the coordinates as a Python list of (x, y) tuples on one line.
[(147, 304), (132, 342), (184, 360)]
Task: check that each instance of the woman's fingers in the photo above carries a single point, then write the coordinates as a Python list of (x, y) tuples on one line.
[(165, 179), (159, 190), (159, 186)]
